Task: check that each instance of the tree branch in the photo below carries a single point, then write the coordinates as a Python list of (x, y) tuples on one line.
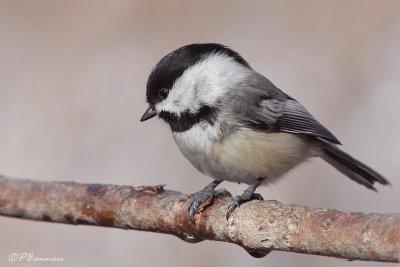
[(257, 226)]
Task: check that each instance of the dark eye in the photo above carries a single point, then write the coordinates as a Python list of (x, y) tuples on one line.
[(163, 93)]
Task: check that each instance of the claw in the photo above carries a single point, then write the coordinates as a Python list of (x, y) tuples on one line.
[(204, 198), (257, 196), (222, 193), (239, 200), (232, 206), (247, 195)]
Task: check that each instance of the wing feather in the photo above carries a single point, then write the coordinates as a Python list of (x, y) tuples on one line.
[(296, 119), (264, 107)]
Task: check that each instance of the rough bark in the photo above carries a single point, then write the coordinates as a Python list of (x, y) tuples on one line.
[(257, 226)]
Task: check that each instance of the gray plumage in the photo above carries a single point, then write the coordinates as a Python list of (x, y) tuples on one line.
[(234, 124)]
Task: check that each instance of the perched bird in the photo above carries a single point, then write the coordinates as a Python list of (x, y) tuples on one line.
[(233, 124)]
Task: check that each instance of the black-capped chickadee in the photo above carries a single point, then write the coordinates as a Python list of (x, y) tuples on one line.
[(233, 124)]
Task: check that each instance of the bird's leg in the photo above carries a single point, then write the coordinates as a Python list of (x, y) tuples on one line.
[(247, 195), (204, 197)]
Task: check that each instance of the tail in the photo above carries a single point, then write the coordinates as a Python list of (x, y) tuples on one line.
[(354, 169)]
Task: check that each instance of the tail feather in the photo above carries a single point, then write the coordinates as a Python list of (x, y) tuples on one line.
[(354, 169)]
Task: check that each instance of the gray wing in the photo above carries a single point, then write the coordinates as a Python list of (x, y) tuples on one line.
[(296, 119), (266, 108)]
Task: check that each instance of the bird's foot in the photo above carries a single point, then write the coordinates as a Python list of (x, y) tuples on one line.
[(247, 195), (239, 200), (204, 198)]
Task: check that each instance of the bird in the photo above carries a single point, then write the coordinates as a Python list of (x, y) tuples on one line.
[(233, 124)]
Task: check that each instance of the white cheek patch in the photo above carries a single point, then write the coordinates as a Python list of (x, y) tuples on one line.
[(203, 84), (181, 98)]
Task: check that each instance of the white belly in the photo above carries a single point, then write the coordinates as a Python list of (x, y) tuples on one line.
[(243, 156)]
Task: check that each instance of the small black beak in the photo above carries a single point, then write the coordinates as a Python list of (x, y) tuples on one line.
[(150, 113)]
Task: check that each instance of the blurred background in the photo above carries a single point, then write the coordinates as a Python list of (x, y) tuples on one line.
[(72, 90)]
